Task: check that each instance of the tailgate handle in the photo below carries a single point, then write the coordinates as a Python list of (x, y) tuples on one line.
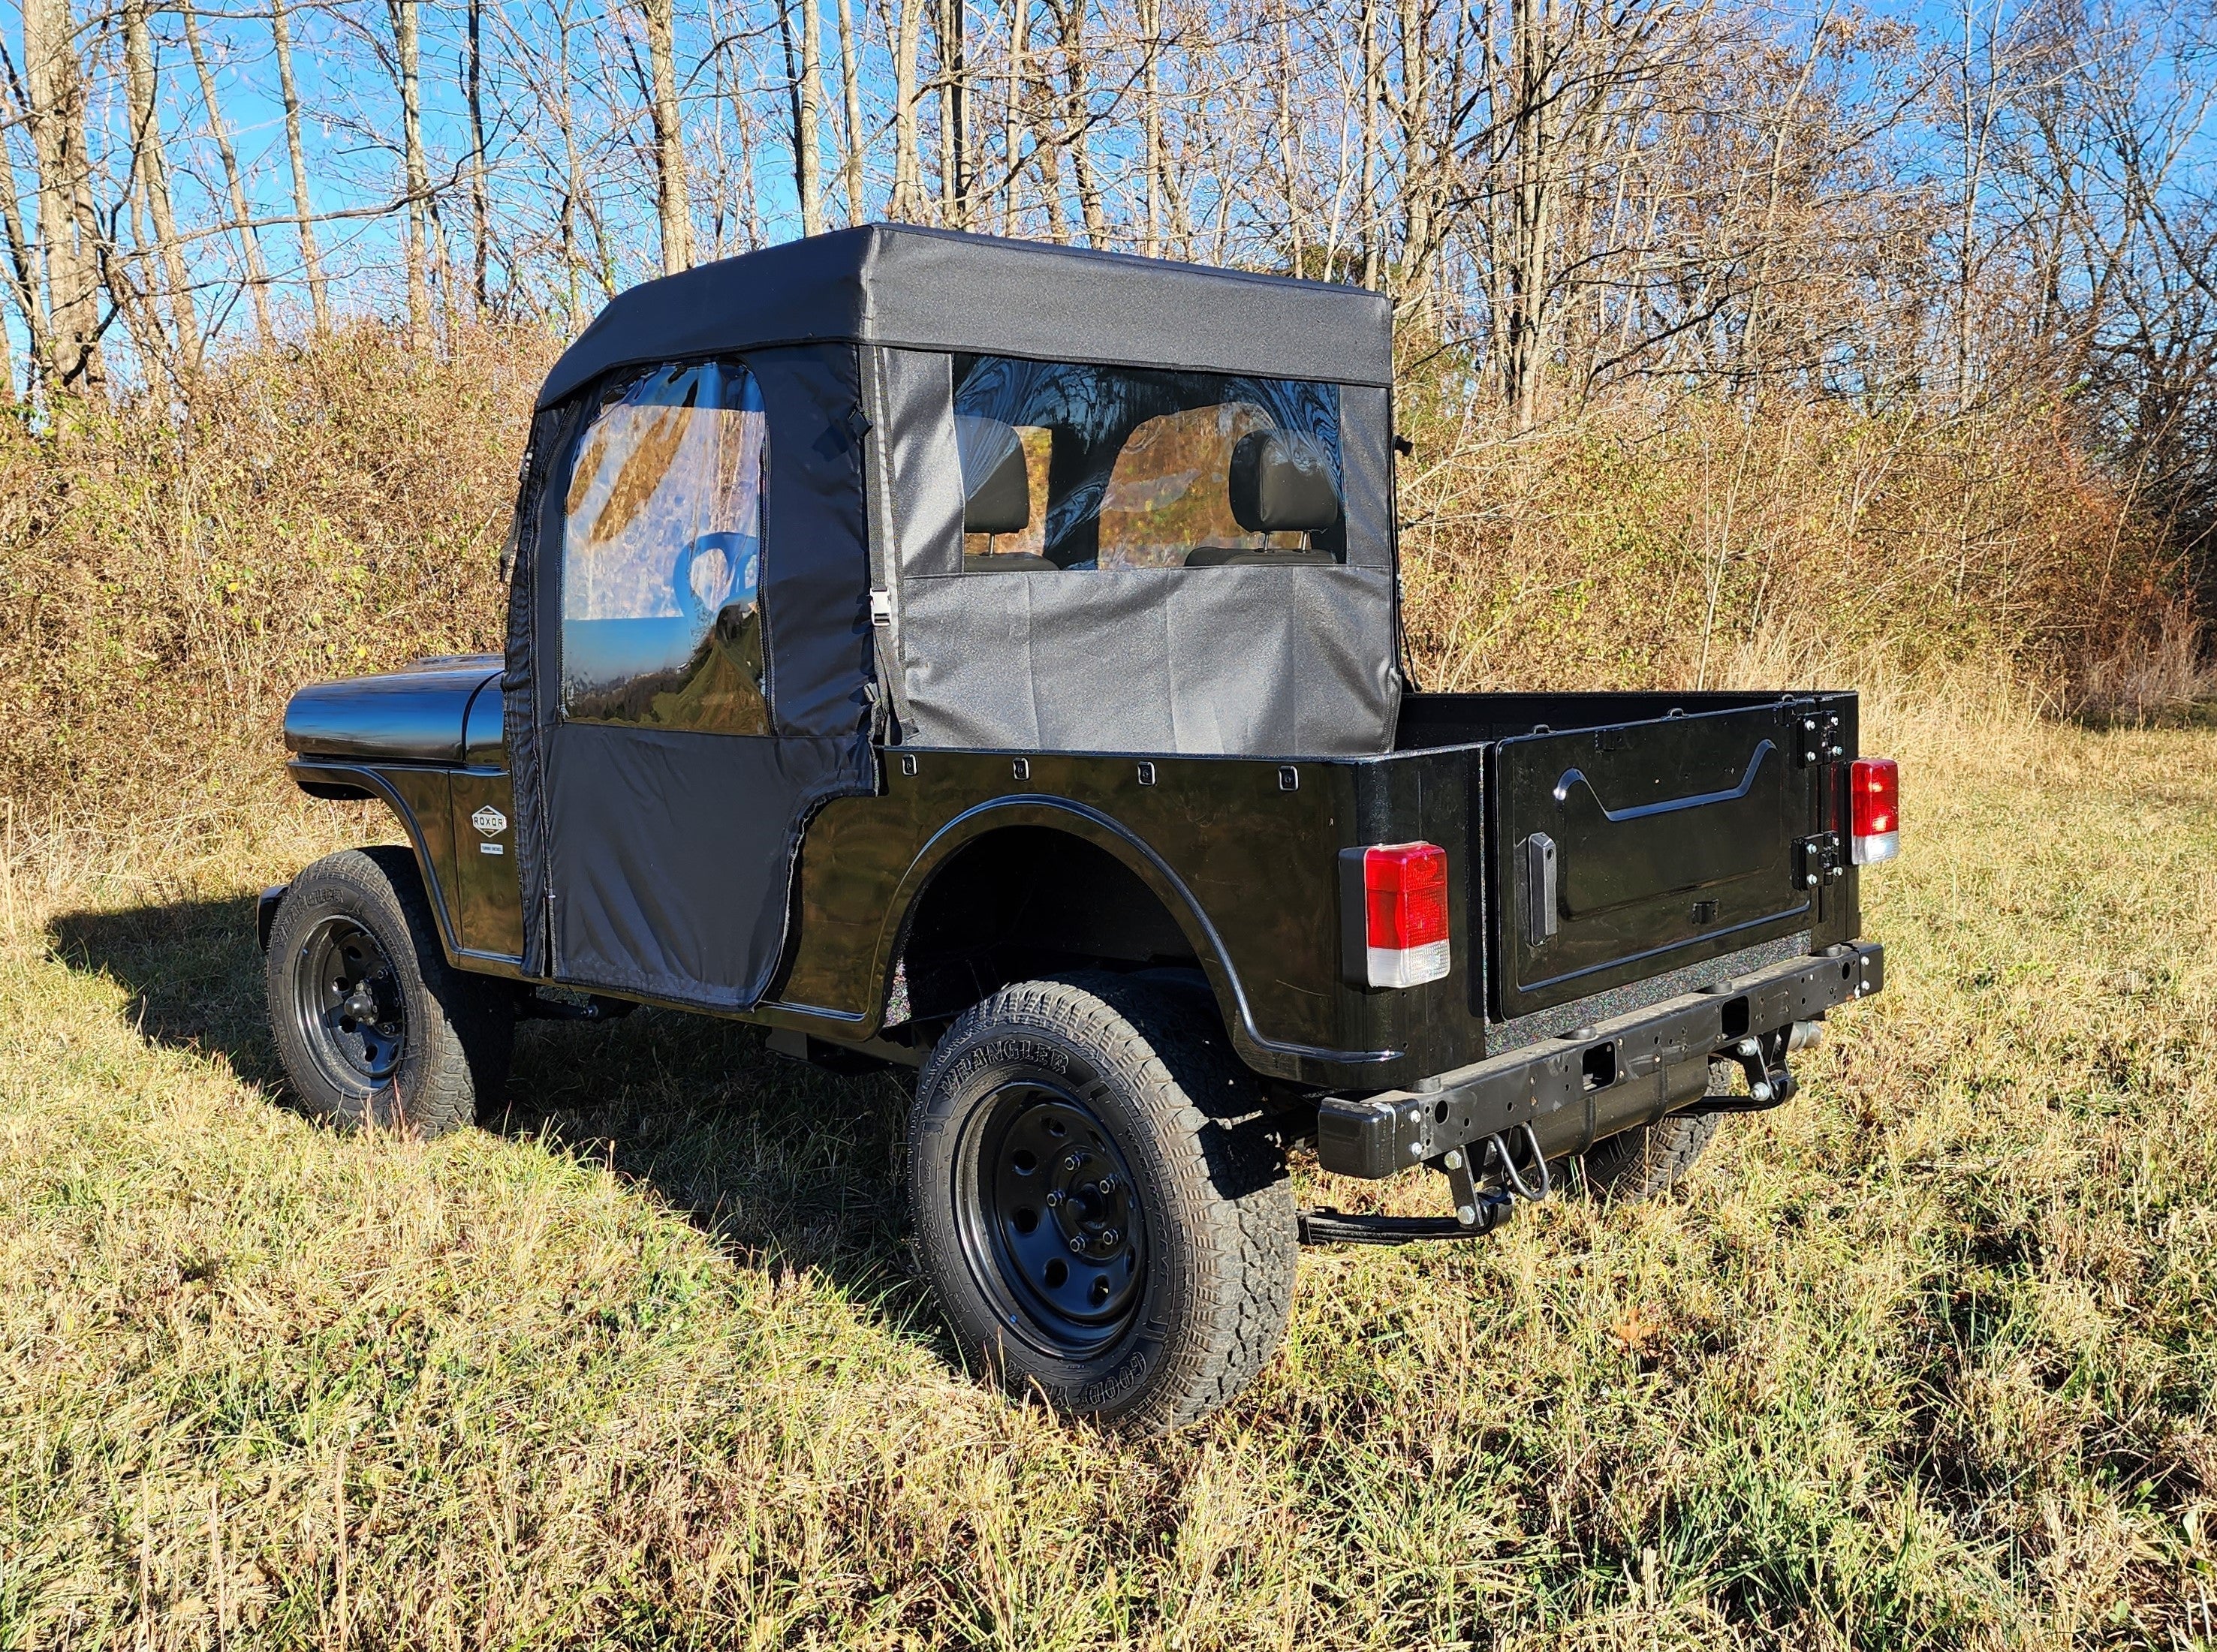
[(1670, 806), (1539, 898)]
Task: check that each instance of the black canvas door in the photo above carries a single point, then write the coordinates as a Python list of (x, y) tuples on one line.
[(673, 777)]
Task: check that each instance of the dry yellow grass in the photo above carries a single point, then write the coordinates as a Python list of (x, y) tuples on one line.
[(1926, 1359)]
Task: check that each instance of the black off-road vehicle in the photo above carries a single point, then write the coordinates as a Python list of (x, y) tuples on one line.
[(985, 658)]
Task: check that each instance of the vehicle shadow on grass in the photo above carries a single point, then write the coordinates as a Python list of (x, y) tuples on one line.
[(783, 1166)]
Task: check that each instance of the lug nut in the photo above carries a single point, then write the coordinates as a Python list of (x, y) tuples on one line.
[(1109, 1235), (1053, 1199)]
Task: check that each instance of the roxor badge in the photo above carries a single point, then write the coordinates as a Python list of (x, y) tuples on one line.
[(490, 821)]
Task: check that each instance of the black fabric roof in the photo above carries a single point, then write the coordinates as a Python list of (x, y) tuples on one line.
[(935, 289)]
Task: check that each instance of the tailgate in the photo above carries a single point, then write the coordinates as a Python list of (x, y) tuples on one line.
[(1630, 850)]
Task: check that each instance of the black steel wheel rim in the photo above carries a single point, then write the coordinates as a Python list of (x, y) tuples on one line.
[(1051, 1224), (349, 1007)]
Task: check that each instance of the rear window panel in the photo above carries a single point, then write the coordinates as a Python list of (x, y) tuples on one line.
[(1129, 468)]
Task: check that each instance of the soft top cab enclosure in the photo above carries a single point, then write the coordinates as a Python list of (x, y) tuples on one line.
[(740, 565)]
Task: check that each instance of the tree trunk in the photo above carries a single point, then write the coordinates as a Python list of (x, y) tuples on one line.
[(808, 121), (1150, 120), (304, 222), (1020, 13), (23, 274), (1288, 141), (250, 239), (1078, 122), (150, 170), (850, 88), (1419, 173), (670, 189), (954, 114), (908, 172), (1531, 75), (480, 208), (1373, 80), (417, 179), (55, 91)]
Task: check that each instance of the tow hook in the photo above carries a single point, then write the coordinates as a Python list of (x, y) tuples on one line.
[(1769, 1083), (1478, 1211)]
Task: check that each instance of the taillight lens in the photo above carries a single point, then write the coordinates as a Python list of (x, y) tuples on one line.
[(1404, 900), (1874, 809)]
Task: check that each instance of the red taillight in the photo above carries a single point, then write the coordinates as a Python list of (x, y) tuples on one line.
[(1405, 901), (1874, 809)]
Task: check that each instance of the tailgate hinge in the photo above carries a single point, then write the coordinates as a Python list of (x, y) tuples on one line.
[(1816, 737), (1817, 860)]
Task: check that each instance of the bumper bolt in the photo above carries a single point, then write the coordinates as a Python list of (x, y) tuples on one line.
[(1453, 1159)]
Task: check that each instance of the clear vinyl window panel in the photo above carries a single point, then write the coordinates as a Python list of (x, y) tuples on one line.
[(1129, 468), (662, 624)]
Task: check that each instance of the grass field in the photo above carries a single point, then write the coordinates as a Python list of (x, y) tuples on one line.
[(1927, 1359)]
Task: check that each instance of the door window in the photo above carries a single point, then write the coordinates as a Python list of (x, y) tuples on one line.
[(662, 623)]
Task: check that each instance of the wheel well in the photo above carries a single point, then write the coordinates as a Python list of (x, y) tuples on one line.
[(1027, 901)]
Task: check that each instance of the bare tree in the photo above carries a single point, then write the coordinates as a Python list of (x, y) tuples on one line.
[(304, 217), (907, 203), (416, 175), (852, 140), (672, 193), (150, 171), (242, 216), (68, 239)]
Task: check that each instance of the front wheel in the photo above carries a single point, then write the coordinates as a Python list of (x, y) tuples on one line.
[(372, 1023), (1100, 1203)]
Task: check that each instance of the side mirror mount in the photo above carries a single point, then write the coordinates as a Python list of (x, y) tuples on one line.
[(1282, 483), (996, 485)]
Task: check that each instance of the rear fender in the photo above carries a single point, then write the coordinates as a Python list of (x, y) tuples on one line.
[(1092, 827)]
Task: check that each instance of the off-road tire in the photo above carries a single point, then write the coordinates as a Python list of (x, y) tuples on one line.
[(1211, 1215), (1650, 1160), (453, 1034)]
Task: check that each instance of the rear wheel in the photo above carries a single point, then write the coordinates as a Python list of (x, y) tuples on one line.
[(1100, 1203), (1643, 1163), (372, 1025)]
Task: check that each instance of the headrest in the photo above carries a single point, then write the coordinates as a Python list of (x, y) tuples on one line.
[(997, 488), (1282, 483)]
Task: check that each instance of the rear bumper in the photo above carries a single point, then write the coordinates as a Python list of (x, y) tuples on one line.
[(1579, 1088)]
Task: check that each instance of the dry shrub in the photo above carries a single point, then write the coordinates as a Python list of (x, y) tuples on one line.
[(1629, 548), (167, 580), (2157, 672)]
